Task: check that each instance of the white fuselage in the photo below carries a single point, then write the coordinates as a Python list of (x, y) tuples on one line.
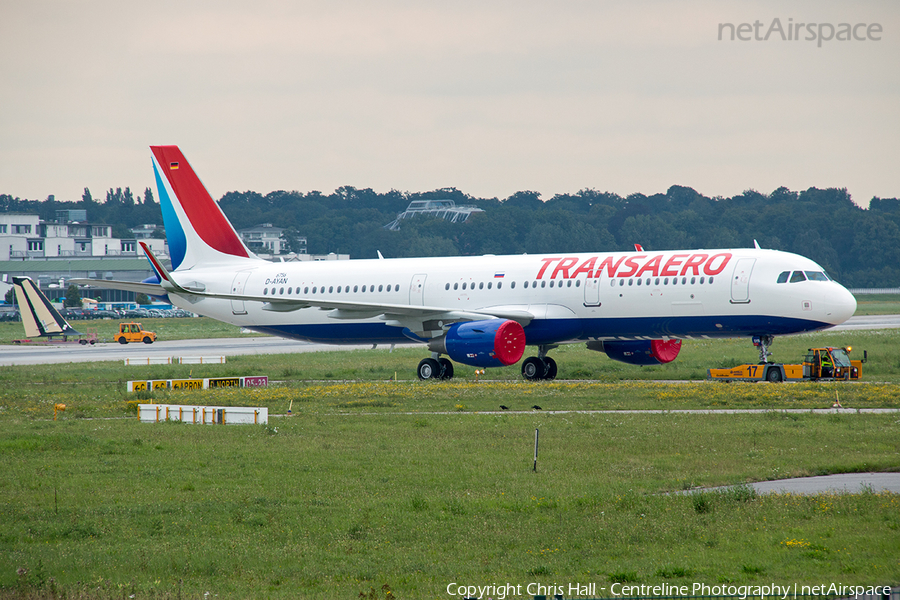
[(572, 297)]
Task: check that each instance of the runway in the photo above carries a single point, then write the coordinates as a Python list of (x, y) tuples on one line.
[(42, 354), (843, 483)]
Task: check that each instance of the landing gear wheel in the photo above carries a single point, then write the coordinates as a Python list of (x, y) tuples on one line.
[(122, 340), (533, 368), (429, 369), (550, 366), (773, 375), (446, 368)]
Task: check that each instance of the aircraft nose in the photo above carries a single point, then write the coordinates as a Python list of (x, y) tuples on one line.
[(840, 305)]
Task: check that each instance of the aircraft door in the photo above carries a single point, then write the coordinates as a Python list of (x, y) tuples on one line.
[(591, 292), (237, 287), (417, 290), (740, 281)]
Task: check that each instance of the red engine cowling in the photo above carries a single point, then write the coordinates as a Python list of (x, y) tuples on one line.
[(639, 352), (490, 343)]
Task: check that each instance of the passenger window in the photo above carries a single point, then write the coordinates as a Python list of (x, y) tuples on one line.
[(456, 286), (666, 281), (481, 285), (710, 279), (281, 291), (355, 288), (657, 281), (578, 283), (490, 284), (447, 287), (701, 279), (464, 286), (693, 280), (330, 289), (783, 277), (265, 291), (798, 276), (569, 284), (551, 283), (543, 284), (305, 291), (500, 284), (640, 281), (630, 282)]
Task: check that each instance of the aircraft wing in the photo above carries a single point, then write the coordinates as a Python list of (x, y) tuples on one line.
[(151, 289), (426, 321), (340, 309)]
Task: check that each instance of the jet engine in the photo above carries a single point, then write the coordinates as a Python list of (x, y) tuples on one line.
[(490, 343), (639, 352)]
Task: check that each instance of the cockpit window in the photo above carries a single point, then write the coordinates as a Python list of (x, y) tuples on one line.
[(816, 276), (798, 276), (784, 276)]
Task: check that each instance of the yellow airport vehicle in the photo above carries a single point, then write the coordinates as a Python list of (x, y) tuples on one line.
[(820, 364), (134, 332)]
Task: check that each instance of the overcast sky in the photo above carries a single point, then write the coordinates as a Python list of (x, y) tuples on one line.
[(490, 97)]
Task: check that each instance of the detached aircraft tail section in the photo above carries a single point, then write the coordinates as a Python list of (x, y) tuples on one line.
[(38, 315), (197, 231)]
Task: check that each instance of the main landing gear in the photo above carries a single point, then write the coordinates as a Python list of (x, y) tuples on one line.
[(541, 366), (534, 368), (436, 367)]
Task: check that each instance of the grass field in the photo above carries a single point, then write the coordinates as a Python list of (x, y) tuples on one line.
[(415, 485)]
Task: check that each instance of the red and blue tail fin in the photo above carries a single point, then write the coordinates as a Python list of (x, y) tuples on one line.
[(197, 231)]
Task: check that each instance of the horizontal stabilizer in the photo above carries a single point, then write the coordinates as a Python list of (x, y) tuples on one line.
[(38, 315)]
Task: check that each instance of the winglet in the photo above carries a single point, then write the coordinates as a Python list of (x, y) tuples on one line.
[(638, 248), (756, 245)]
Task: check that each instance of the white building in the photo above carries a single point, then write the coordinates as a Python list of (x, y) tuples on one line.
[(25, 236), (266, 239)]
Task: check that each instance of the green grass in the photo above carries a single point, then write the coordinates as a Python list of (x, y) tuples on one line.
[(328, 505), (411, 484), (877, 304), (166, 329)]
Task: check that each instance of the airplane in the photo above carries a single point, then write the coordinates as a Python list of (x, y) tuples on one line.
[(484, 311), (38, 315)]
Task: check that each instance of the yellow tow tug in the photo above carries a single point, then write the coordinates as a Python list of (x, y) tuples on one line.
[(820, 364), (133, 332)]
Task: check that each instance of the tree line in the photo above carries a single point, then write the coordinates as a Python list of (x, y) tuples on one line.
[(858, 247)]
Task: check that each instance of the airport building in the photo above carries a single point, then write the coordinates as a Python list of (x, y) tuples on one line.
[(52, 252)]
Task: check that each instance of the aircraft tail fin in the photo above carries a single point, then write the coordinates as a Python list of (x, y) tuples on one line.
[(38, 315), (197, 231)]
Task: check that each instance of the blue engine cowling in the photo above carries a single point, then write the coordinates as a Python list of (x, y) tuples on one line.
[(490, 343), (639, 352)]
